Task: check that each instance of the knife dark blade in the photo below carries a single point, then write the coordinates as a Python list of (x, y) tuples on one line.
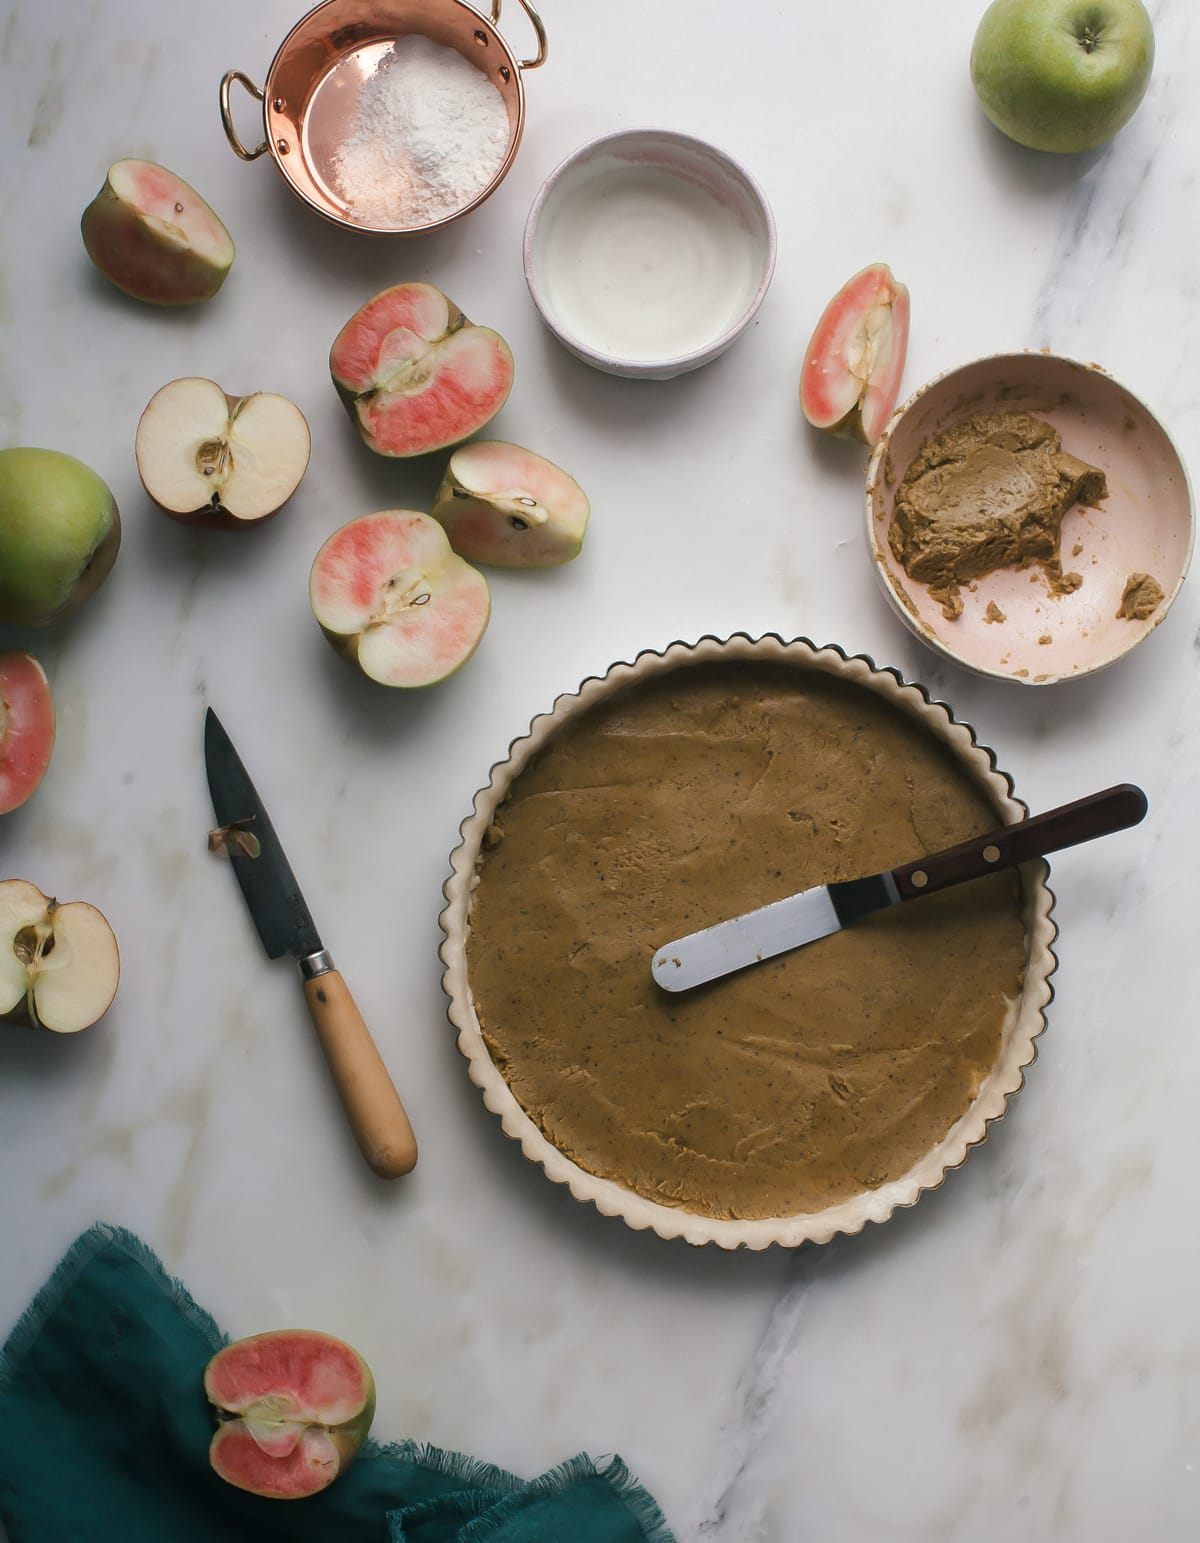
[(378, 1118), (276, 905), (816, 913)]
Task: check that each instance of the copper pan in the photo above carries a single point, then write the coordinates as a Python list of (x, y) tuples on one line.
[(310, 97)]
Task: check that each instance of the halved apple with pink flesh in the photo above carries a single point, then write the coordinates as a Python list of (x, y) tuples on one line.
[(852, 370), (153, 236), (26, 728), (395, 599), (59, 964), (508, 506), (415, 374), (208, 458), (294, 1406)]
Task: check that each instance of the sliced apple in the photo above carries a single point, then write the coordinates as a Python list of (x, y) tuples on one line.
[(209, 458), (395, 599), (153, 236), (504, 505), (294, 1407), (59, 964), (852, 369), (415, 375), (26, 728)]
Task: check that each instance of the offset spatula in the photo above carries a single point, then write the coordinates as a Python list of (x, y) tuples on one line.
[(377, 1117), (815, 913)]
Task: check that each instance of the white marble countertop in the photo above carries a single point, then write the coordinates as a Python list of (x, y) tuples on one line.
[(1018, 1355)]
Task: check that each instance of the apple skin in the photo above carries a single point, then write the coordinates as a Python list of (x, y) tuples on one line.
[(59, 535), (1062, 75), (26, 728)]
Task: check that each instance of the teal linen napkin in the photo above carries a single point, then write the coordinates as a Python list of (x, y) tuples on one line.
[(104, 1433)]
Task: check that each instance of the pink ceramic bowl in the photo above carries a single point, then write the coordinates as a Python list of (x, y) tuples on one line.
[(1144, 525)]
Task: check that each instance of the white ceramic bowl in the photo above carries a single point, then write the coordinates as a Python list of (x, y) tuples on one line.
[(1024, 1021), (647, 252), (1144, 525)]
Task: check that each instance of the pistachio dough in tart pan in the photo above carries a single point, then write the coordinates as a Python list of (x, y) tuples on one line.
[(810, 1093)]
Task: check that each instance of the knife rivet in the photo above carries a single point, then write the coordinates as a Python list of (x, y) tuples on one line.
[(991, 854), (920, 879)]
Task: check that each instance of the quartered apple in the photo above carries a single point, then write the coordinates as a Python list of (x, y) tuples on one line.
[(209, 458), (504, 505), (852, 369), (294, 1407), (153, 236), (396, 600), (59, 964), (415, 375), (26, 728)]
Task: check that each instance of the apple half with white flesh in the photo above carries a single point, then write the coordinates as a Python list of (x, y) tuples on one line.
[(26, 728), (504, 505), (852, 369), (212, 459), (415, 375), (153, 236), (59, 964), (396, 600), (294, 1407)]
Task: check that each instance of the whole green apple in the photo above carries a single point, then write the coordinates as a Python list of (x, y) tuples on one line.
[(59, 535), (1062, 75)]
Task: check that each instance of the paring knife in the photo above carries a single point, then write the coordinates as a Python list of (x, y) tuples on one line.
[(377, 1117), (815, 913)]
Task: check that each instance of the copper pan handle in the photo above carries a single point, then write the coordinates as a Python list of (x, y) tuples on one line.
[(231, 134), (538, 27)]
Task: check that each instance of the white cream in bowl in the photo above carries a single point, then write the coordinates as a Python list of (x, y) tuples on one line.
[(647, 252)]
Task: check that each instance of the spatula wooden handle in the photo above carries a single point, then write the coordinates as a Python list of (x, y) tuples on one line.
[(377, 1117), (1096, 815)]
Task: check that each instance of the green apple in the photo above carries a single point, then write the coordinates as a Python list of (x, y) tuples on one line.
[(59, 535), (1062, 75)]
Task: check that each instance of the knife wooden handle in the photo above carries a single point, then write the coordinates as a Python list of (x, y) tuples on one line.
[(377, 1117), (1097, 815)]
